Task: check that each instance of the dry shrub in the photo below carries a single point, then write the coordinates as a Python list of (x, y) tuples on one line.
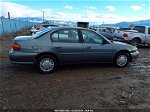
[(6, 36)]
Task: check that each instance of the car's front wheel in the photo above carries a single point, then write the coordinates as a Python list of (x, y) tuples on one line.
[(46, 64), (121, 59)]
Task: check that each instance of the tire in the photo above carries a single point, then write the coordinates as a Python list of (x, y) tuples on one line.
[(135, 42), (46, 64), (121, 60)]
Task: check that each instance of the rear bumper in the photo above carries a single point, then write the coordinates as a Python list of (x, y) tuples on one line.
[(17, 57)]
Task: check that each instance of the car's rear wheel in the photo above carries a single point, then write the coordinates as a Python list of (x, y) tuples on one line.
[(46, 64), (135, 42), (121, 59)]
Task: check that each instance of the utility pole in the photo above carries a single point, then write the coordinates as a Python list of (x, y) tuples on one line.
[(43, 16), (8, 15), (103, 21)]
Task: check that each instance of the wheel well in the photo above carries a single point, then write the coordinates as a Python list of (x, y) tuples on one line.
[(125, 51), (47, 53), (138, 38)]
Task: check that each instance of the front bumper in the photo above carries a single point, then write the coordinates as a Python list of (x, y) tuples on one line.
[(134, 55), (17, 57)]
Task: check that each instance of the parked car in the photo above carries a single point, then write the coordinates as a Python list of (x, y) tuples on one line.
[(57, 46), (108, 33), (41, 27), (138, 35)]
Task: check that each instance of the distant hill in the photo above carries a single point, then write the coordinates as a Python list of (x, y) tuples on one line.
[(120, 24), (125, 24), (40, 20), (34, 19)]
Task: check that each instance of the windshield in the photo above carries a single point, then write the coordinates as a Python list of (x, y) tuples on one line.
[(37, 34)]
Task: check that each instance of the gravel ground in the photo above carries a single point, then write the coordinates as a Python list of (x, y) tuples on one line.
[(86, 86)]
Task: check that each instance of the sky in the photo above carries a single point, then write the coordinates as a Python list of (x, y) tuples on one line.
[(99, 11)]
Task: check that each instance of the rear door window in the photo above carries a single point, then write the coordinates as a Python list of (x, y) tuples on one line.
[(68, 36)]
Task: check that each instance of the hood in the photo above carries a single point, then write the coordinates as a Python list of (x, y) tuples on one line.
[(121, 45), (23, 38)]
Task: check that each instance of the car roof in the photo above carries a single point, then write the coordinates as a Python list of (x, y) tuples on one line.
[(57, 28)]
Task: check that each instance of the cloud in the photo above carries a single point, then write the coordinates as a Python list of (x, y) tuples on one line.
[(110, 8), (89, 11), (68, 7), (17, 10), (137, 7), (142, 4), (90, 7)]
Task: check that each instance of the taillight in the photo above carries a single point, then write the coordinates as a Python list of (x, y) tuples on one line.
[(37, 28), (125, 35), (16, 46)]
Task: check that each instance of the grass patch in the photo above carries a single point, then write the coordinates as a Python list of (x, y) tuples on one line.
[(6, 36)]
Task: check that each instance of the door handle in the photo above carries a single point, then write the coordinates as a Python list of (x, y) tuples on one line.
[(89, 47), (57, 47)]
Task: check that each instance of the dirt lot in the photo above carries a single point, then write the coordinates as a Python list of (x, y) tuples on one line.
[(95, 86)]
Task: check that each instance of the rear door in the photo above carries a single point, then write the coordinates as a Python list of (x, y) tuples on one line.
[(94, 48), (66, 43)]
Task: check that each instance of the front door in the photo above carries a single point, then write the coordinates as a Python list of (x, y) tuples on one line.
[(94, 48)]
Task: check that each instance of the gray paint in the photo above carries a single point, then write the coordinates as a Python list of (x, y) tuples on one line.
[(67, 52)]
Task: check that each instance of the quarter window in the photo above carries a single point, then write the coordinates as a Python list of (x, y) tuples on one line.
[(91, 37), (70, 36)]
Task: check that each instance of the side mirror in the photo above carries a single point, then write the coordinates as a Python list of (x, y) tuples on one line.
[(104, 41)]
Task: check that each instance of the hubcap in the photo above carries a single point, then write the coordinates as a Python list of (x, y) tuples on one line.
[(46, 64), (122, 60)]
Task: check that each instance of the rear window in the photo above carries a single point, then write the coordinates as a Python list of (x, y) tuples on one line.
[(69, 36), (140, 29), (45, 26), (42, 32)]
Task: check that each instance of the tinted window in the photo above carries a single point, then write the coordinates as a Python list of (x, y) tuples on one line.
[(91, 37), (149, 31), (103, 30), (45, 26), (140, 29), (65, 36)]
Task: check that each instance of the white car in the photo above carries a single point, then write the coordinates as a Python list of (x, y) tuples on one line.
[(105, 32), (41, 27)]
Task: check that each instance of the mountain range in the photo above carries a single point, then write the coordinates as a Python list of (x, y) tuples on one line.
[(72, 23), (125, 24)]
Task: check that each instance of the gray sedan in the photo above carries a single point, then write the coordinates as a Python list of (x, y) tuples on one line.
[(56, 46)]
